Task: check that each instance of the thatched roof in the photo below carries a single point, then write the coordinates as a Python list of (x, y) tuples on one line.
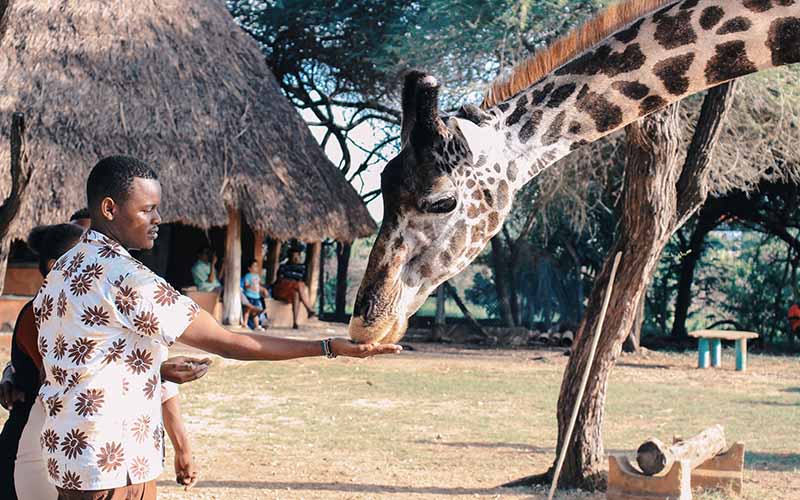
[(178, 84)]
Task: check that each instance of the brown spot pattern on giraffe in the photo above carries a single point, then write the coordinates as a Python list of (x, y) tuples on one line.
[(425, 271), (629, 34), (631, 90), (493, 222), (511, 171), (603, 60), (472, 211), (529, 128), (675, 31), (604, 113), (784, 40), (672, 73), (446, 258), (539, 95), (487, 195), (560, 95), (758, 5), (711, 16), (735, 25), (729, 61), (520, 110), (477, 232), (688, 4), (650, 104), (574, 127), (553, 133), (502, 195), (459, 238)]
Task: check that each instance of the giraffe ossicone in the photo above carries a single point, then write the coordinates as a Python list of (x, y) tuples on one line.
[(451, 186)]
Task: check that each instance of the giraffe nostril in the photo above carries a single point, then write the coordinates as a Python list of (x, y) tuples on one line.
[(368, 308)]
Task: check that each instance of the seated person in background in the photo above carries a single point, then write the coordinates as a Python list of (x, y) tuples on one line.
[(290, 286), (204, 271), (254, 294), (794, 319)]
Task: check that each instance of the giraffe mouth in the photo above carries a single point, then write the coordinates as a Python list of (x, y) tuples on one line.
[(382, 318)]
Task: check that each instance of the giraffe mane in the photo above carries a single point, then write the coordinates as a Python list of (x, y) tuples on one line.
[(536, 67)]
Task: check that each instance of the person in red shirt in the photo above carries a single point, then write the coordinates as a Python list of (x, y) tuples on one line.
[(794, 319)]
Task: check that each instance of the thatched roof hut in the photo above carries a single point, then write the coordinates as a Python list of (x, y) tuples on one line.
[(180, 85)]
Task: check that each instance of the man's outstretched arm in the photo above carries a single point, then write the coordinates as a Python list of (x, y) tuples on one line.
[(206, 334)]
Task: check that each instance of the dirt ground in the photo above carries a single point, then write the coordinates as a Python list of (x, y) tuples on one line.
[(450, 422)]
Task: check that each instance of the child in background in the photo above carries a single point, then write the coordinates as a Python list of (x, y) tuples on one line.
[(254, 293)]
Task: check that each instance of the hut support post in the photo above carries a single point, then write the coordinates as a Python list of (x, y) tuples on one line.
[(273, 260), (232, 302), (312, 270), (322, 278), (258, 250), (20, 175)]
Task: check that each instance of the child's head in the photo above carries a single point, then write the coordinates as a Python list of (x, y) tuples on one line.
[(51, 242), (253, 267)]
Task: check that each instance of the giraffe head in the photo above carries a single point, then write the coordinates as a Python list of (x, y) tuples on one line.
[(445, 195)]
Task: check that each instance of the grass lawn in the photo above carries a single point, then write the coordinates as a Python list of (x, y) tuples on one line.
[(443, 422)]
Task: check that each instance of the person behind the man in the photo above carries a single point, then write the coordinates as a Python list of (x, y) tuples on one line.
[(204, 271), (290, 286), (103, 321)]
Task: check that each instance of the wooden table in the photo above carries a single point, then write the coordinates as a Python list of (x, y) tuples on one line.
[(713, 339)]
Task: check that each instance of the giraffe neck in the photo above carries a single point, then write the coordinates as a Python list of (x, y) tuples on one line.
[(681, 49)]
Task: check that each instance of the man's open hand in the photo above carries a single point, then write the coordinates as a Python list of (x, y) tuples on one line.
[(345, 347), (181, 369)]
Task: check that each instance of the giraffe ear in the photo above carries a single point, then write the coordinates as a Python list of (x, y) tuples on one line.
[(479, 139)]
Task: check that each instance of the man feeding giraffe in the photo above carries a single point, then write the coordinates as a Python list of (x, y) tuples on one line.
[(451, 186)]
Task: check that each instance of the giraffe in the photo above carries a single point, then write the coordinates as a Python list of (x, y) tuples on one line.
[(449, 189)]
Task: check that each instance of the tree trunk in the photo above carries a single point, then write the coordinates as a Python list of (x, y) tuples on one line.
[(659, 196), (342, 263), (634, 339), (502, 281), (20, 176), (648, 211), (322, 255), (232, 301), (440, 318)]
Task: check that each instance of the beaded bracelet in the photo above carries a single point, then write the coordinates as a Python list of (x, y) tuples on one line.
[(327, 349)]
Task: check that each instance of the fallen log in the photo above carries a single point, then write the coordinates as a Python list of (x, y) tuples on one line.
[(653, 456)]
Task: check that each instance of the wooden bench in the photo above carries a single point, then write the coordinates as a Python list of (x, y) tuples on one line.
[(710, 342)]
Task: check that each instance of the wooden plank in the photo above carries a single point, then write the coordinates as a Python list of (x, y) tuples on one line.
[(723, 334), (723, 472)]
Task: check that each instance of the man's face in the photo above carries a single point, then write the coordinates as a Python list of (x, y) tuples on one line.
[(136, 219)]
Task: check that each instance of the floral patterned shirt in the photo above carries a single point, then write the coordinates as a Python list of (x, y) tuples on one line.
[(104, 320)]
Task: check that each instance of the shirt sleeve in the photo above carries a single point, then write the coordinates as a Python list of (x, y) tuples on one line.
[(198, 274), (168, 391), (154, 309)]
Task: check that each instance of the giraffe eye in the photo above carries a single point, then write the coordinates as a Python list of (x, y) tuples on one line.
[(441, 206)]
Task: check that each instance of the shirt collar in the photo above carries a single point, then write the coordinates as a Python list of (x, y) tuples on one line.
[(97, 238)]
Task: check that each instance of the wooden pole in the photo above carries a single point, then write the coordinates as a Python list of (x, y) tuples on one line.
[(342, 263), (258, 250), (273, 260), (314, 250), (232, 301), (322, 278), (586, 372)]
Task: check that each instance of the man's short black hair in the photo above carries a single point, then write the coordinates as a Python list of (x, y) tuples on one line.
[(112, 178), (83, 213)]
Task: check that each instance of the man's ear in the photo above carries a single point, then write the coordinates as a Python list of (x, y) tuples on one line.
[(108, 208)]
